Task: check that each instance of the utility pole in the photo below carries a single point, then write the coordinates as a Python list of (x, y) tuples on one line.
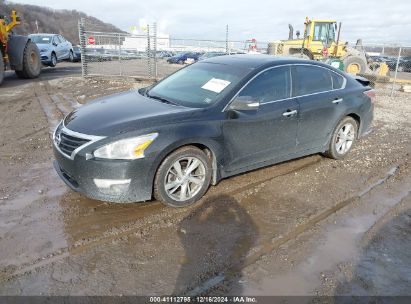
[(226, 39)]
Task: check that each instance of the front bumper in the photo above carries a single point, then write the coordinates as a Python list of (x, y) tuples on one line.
[(45, 58), (80, 175)]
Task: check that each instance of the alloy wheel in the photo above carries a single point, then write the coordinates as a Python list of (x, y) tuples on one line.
[(185, 178), (345, 138)]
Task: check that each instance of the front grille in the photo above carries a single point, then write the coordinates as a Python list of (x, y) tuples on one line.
[(68, 143)]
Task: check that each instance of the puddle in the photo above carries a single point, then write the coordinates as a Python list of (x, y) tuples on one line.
[(340, 243)]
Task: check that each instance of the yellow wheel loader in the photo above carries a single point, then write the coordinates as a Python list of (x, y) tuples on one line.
[(320, 41), (17, 52)]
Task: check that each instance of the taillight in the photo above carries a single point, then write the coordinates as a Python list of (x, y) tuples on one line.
[(371, 94)]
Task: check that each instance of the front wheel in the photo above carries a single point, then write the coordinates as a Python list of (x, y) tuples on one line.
[(183, 177), (343, 138), (53, 62)]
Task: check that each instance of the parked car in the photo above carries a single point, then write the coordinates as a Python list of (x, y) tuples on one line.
[(77, 53), (183, 57), (379, 58), (53, 48), (211, 55), (211, 120), (404, 64), (164, 54), (100, 54)]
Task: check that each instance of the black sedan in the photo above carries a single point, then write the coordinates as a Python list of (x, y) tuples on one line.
[(208, 121)]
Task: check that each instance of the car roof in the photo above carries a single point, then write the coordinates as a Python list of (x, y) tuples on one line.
[(253, 61)]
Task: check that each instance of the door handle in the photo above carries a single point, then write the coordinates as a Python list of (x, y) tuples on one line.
[(289, 113), (337, 100)]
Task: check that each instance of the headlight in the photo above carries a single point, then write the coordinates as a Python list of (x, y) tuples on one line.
[(130, 148), (43, 50)]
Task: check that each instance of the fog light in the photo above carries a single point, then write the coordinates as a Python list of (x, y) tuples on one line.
[(112, 186)]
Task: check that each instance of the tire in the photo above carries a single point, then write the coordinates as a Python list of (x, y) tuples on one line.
[(1, 68), (167, 175), (71, 56), (355, 65), (180, 62), (31, 62), (53, 61), (336, 148)]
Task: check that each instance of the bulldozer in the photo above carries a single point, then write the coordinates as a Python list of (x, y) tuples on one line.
[(17, 52), (321, 41)]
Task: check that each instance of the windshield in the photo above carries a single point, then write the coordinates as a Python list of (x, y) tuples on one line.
[(41, 39), (199, 85)]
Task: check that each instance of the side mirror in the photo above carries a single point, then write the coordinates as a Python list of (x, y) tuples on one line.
[(55, 44), (244, 103)]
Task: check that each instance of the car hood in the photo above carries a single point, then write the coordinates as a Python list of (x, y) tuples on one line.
[(124, 112)]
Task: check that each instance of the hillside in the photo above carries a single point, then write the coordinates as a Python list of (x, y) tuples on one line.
[(64, 22)]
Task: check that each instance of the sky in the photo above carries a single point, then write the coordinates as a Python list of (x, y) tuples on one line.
[(375, 21)]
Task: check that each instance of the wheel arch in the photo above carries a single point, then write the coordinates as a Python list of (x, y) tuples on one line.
[(354, 116), (210, 148), (357, 118)]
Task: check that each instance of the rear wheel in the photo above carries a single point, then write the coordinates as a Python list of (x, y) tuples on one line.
[(1, 68), (355, 65), (71, 56), (183, 177), (343, 138), (31, 62)]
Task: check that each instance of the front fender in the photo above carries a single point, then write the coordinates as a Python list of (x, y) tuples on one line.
[(202, 135)]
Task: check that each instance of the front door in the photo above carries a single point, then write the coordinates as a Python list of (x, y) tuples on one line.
[(267, 132)]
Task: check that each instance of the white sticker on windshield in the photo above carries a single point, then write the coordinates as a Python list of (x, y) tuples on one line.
[(216, 85)]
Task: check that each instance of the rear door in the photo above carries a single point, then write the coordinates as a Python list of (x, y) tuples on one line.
[(255, 136), (319, 92)]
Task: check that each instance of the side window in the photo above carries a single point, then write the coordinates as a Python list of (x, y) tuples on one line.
[(62, 39), (271, 85), (312, 79), (338, 80), (56, 40)]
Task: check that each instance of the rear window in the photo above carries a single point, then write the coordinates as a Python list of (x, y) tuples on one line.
[(338, 80), (312, 79)]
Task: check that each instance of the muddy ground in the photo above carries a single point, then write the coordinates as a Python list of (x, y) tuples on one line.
[(312, 226)]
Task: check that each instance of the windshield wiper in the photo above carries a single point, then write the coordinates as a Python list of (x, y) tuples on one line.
[(162, 99)]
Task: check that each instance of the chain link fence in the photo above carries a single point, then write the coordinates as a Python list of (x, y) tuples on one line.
[(154, 56), (151, 55)]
